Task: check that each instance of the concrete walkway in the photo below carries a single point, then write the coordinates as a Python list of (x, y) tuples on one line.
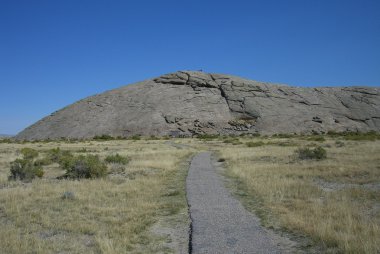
[(220, 224)]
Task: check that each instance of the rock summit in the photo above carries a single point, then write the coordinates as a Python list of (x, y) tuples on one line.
[(187, 103)]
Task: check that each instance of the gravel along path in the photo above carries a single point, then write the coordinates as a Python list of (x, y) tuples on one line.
[(220, 224)]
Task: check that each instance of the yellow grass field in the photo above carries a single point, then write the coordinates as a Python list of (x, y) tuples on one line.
[(332, 204), (335, 202), (110, 215)]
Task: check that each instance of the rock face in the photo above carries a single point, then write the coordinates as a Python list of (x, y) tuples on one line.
[(187, 103)]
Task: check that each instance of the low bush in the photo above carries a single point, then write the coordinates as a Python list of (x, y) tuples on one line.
[(117, 158), (356, 136), (24, 169), (59, 156), (29, 153), (318, 138), (43, 162), (207, 136), (255, 144), (254, 134), (339, 143), (68, 195), (89, 166), (282, 143), (284, 135), (318, 153), (103, 137), (135, 137), (6, 140)]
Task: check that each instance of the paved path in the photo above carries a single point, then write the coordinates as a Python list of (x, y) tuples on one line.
[(220, 224)]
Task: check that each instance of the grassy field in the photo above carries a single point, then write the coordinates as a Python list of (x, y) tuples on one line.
[(333, 203), (115, 214)]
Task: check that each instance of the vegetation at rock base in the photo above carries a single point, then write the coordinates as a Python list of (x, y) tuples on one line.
[(318, 153), (110, 214), (27, 168), (255, 144), (29, 153), (103, 137), (116, 158), (330, 203), (85, 166), (24, 169)]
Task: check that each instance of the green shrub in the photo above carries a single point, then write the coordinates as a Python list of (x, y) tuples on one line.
[(116, 159), (284, 135), (135, 137), (207, 136), (153, 137), (29, 153), (62, 157), (318, 153), (356, 136), (54, 154), (103, 137), (255, 144), (88, 166), (24, 169), (318, 138), (231, 140), (282, 143), (43, 162), (6, 140)]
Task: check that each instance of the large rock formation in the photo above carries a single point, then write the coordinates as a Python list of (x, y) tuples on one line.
[(187, 103)]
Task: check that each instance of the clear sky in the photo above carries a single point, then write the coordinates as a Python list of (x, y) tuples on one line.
[(53, 53)]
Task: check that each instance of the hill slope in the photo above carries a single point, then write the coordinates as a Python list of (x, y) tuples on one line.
[(188, 103)]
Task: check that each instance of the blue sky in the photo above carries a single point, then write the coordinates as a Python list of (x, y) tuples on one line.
[(53, 53)]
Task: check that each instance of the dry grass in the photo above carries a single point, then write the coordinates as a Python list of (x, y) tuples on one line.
[(110, 215), (333, 201)]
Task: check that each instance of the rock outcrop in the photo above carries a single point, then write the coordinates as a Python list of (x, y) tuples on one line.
[(187, 103)]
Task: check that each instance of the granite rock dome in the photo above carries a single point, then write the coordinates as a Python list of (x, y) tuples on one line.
[(187, 103)]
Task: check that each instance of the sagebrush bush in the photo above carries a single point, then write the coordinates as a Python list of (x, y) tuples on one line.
[(207, 136), (68, 195), (284, 135), (89, 166), (103, 137), (62, 157), (255, 144), (318, 138), (318, 153), (25, 169), (43, 162), (135, 137), (356, 136), (339, 143), (29, 153), (116, 158)]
